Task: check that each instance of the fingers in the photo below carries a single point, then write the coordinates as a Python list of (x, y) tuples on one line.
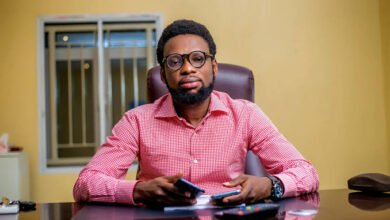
[(239, 198), (173, 179), (170, 187), (247, 196), (180, 198), (253, 189), (170, 198), (162, 191), (177, 191), (236, 181), (163, 198), (157, 193)]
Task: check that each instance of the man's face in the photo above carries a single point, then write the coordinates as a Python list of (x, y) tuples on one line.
[(189, 84)]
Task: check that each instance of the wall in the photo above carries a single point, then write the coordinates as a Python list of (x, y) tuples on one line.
[(317, 64), (385, 28)]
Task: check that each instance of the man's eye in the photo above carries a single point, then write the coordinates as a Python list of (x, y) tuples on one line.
[(174, 61), (197, 59)]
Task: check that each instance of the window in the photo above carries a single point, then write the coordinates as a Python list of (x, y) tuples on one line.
[(91, 69)]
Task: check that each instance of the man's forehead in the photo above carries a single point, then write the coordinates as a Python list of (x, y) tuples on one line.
[(185, 43)]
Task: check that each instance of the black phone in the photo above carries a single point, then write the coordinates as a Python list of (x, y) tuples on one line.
[(190, 187)]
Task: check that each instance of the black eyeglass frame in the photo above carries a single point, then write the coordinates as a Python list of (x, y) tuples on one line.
[(205, 54)]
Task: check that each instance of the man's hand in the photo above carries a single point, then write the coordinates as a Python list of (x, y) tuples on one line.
[(161, 191), (253, 189)]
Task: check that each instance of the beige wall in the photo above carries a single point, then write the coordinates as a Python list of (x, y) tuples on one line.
[(385, 28), (317, 64)]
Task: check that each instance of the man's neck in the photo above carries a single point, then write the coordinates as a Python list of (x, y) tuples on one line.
[(194, 113)]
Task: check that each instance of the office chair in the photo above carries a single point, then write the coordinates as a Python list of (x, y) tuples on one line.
[(235, 80)]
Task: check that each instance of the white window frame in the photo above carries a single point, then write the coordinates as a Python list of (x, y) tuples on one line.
[(42, 114)]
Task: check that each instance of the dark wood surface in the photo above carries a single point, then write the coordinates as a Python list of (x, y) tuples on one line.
[(331, 204)]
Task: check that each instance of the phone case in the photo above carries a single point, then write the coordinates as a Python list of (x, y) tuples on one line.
[(188, 186), (225, 194)]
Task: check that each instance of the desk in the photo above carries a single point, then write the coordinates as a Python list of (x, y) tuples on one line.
[(332, 204)]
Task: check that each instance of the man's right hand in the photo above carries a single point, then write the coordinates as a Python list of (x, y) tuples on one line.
[(161, 191)]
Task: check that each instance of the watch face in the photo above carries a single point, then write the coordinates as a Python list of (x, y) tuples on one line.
[(277, 188), (278, 191)]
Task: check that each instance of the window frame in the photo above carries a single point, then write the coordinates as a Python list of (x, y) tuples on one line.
[(43, 119)]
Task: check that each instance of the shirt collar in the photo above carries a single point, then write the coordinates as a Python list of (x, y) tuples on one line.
[(216, 104), (167, 109)]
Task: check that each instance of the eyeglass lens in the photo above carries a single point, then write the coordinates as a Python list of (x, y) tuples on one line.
[(196, 59)]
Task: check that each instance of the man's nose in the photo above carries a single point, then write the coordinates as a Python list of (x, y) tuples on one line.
[(187, 67)]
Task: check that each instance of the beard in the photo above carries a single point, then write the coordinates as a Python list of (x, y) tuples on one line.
[(183, 97)]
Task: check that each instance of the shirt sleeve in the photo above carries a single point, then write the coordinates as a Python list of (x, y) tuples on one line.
[(279, 157), (103, 179)]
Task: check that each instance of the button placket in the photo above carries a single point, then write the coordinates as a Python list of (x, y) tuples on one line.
[(194, 160)]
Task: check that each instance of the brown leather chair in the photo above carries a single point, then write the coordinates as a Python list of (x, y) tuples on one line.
[(235, 80)]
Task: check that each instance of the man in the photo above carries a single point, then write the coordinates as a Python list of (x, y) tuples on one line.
[(195, 133)]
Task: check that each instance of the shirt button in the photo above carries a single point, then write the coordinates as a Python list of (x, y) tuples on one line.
[(195, 161)]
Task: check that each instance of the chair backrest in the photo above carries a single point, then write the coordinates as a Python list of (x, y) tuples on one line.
[(235, 80)]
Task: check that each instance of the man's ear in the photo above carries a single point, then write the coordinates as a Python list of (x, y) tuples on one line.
[(162, 75), (215, 68)]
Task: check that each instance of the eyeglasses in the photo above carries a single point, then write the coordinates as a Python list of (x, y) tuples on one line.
[(196, 58)]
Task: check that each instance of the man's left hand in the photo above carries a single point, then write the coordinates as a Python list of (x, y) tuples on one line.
[(253, 189)]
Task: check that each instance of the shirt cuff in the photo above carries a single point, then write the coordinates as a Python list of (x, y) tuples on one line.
[(124, 192), (290, 188)]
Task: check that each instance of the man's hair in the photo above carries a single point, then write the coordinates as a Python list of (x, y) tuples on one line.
[(179, 27)]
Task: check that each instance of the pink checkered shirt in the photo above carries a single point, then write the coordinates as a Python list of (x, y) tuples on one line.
[(208, 155)]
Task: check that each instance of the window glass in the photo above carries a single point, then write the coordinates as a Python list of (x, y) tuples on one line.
[(72, 83)]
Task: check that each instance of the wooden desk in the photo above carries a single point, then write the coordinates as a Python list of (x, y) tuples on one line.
[(331, 204)]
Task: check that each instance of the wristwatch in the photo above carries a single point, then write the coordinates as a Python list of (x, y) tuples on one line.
[(277, 189)]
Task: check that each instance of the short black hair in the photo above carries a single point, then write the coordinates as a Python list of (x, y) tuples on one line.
[(183, 26)]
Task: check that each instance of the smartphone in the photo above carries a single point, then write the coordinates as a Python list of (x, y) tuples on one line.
[(225, 194), (190, 187)]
